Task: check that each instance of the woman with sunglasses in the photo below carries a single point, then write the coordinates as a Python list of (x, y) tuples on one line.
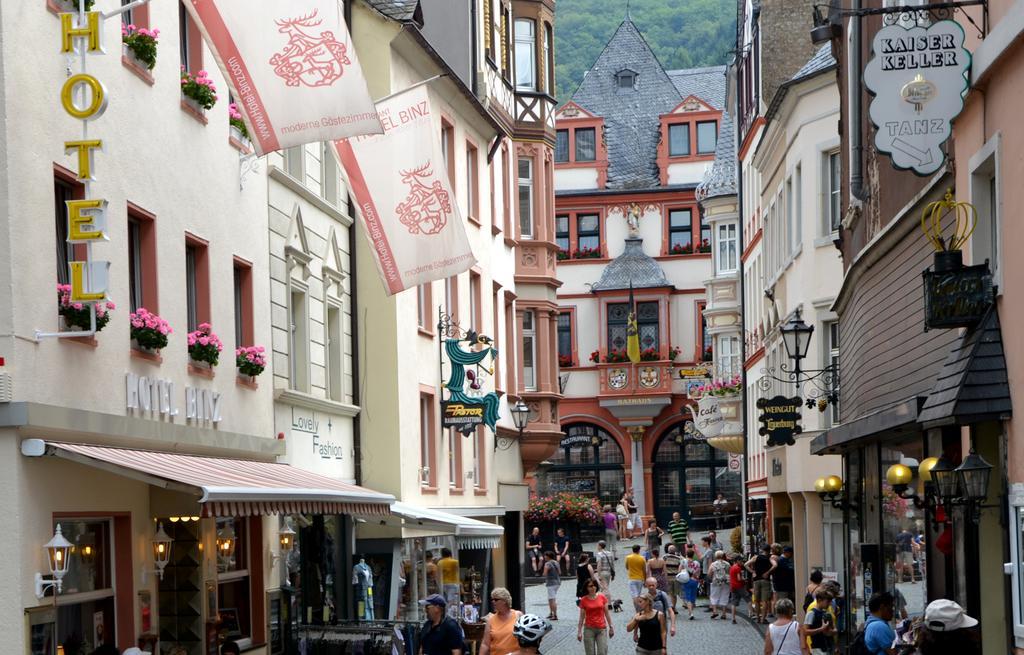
[(595, 625), (498, 638)]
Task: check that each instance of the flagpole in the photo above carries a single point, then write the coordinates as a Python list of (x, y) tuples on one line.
[(409, 88)]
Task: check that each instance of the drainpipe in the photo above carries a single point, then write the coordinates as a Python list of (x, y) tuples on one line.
[(357, 455), (856, 97), (744, 472)]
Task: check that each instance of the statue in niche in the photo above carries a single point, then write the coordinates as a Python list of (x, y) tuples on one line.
[(633, 221)]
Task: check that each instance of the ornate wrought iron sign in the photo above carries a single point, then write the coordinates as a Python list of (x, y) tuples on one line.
[(956, 298), (780, 419), (468, 405)]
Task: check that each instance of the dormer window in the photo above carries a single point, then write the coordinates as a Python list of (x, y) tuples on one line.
[(625, 80)]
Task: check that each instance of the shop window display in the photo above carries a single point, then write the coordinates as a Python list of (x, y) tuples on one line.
[(903, 537), (85, 618)]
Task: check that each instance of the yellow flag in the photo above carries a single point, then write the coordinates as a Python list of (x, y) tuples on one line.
[(632, 334)]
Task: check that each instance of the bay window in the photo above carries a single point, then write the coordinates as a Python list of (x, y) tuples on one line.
[(526, 55), (647, 323), (727, 260), (529, 352), (728, 357)]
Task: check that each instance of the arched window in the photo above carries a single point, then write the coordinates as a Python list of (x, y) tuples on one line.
[(589, 462), (688, 475)]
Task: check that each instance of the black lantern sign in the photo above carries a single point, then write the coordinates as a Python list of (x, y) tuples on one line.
[(780, 419), (954, 295)]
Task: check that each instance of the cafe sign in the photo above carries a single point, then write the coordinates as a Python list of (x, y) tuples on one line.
[(918, 77), (780, 419), (709, 420)]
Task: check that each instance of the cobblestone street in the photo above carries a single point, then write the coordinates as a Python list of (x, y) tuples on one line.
[(702, 636)]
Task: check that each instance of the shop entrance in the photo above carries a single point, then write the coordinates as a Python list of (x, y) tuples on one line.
[(688, 475), (588, 462)]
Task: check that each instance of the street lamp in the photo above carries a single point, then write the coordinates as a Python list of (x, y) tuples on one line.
[(973, 475), (521, 418), (57, 550), (796, 337), (944, 476), (821, 386), (161, 552), (831, 489)]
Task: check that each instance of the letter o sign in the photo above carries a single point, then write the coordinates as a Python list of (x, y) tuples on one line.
[(93, 90)]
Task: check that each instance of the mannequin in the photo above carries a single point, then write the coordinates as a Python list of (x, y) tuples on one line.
[(362, 580)]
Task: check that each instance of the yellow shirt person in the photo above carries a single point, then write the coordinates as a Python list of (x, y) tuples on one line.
[(636, 570), (449, 567)]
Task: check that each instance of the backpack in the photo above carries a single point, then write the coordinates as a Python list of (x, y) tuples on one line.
[(858, 646)]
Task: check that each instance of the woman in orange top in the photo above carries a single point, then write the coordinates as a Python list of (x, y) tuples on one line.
[(498, 638)]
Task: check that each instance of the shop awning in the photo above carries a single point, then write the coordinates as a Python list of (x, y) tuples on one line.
[(973, 383), (232, 487), (469, 533)]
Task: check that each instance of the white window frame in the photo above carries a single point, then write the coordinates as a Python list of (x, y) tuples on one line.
[(453, 460), (426, 433), (529, 42), (829, 352), (984, 167), (478, 442), (831, 198), (526, 182), (295, 163), (1015, 567), (334, 353), (298, 348), (727, 248), (530, 333), (728, 356)]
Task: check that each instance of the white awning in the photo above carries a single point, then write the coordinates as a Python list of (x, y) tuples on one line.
[(232, 487), (469, 533)]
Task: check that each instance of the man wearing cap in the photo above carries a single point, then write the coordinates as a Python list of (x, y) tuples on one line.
[(948, 630), (440, 635)]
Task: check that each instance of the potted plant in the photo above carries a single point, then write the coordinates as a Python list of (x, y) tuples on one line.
[(681, 249), (238, 129), (76, 314), (595, 356), (565, 361), (149, 331), (729, 387), (250, 360), (673, 352), (650, 355), (564, 507), (140, 43), (705, 246), (587, 253), (616, 356), (562, 254), (707, 355), (204, 345), (198, 89)]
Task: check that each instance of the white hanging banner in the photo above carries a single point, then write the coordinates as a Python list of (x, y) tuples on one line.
[(400, 182), (709, 419), (919, 78), (291, 67)]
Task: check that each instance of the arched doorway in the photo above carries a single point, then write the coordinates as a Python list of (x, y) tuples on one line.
[(589, 462), (688, 474)]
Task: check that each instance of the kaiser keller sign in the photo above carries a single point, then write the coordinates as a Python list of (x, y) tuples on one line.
[(918, 77)]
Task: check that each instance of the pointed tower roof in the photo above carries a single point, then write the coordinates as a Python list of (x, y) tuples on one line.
[(630, 114), (632, 268)]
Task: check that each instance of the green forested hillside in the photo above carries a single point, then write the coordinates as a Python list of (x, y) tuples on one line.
[(682, 33)]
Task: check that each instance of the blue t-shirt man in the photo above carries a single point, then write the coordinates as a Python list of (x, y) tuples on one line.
[(878, 634)]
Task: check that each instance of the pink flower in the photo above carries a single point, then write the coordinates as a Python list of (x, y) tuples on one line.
[(110, 305), (77, 305), (204, 341), (201, 73)]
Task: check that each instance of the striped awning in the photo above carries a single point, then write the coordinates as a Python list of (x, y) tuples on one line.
[(233, 487)]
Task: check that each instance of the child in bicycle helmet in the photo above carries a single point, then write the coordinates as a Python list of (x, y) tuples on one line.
[(528, 631)]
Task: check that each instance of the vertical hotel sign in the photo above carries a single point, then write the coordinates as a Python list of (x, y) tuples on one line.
[(918, 77), (84, 97)]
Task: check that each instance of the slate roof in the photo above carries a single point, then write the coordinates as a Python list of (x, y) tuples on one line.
[(632, 128), (631, 267), (822, 60), (720, 180), (399, 10), (972, 385)]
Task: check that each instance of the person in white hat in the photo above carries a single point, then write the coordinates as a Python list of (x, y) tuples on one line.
[(948, 630)]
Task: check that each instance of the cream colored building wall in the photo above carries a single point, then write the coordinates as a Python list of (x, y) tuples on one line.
[(157, 156), (399, 360), (567, 179), (688, 173)]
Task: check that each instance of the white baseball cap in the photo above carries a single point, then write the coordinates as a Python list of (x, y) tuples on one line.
[(945, 616)]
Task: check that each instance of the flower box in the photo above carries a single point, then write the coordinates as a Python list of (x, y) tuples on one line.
[(76, 315), (198, 90), (204, 347), (149, 332), (680, 249), (587, 253), (250, 361), (565, 361), (139, 44)]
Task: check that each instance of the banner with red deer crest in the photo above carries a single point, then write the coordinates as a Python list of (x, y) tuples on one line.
[(291, 67), (400, 182)]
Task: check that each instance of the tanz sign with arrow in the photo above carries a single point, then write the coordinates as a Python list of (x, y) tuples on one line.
[(918, 77)]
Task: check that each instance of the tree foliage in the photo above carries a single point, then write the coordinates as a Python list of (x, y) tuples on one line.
[(682, 33)]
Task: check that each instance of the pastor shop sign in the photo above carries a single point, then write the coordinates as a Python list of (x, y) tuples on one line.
[(918, 77), (780, 419)]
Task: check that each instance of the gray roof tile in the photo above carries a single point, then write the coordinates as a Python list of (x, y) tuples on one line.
[(821, 60), (720, 180), (632, 268), (400, 10)]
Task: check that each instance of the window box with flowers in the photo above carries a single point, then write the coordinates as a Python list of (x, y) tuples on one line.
[(587, 253), (238, 130), (198, 90), (76, 315), (616, 356), (705, 246), (650, 355), (673, 352), (565, 361), (204, 347), (681, 249), (562, 254), (149, 332), (708, 355), (595, 356), (139, 44), (250, 361), (564, 507), (721, 388)]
